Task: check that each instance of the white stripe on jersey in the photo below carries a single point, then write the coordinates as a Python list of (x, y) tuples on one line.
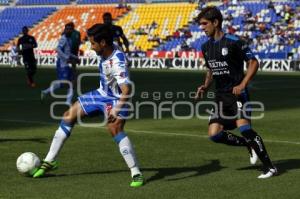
[(113, 72)]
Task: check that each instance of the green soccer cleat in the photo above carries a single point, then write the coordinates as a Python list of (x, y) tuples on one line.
[(137, 181), (45, 167)]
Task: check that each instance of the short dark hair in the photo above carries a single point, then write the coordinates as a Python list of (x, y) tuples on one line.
[(70, 24), (211, 13), (101, 32), (25, 28), (107, 14)]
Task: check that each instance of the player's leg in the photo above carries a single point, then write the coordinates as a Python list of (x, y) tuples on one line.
[(70, 79), (127, 151), (31, 72), (61, 135), (217, 134), (53, 86), (257, 144)]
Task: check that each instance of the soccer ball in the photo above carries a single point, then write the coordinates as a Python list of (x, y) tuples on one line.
[(27, 163)]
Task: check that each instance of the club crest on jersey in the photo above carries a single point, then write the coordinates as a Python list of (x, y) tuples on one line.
[(224, 51)]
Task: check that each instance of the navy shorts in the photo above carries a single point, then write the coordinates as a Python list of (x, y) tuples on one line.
[(230, 108), (64, 73)]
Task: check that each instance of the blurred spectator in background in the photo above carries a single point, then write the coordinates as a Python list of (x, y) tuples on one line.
[(76, 41), (25, 46), (118, 33), (14, 56)]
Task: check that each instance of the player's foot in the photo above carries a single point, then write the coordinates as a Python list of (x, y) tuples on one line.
[(137, 181), (45, 167), (269, 173), (42, 96), (253, 156)]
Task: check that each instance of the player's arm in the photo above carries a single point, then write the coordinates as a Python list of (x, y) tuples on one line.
[(19, 45), (208, 78), (125, 40), (126, 92), (60, 49), (204, 87), (120, 73), (34, 44), (252, 67), (251, 71)]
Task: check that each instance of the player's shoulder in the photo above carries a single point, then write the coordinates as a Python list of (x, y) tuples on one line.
[(116, 27), (119, 56), (205, 44), (232, 37)]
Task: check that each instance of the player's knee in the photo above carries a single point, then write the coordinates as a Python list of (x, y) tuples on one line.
[(218, 137), (68, 117), (114, 128), (247, 132)]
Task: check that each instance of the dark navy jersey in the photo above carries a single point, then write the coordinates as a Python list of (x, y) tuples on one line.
[(117, 31), (225, 58), (26, 43)]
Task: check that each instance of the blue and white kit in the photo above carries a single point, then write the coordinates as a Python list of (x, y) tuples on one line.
[(63, 69), (113, 72)]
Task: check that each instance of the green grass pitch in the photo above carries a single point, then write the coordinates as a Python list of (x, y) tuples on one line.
[(176, 157)]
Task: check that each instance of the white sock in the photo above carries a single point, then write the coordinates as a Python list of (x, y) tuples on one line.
[(61, 134), (128, 154), (52, 88)]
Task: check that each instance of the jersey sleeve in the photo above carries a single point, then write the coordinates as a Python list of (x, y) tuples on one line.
[(119, 69), (60, 48), (243, 48), (204, 51), (34, 44)]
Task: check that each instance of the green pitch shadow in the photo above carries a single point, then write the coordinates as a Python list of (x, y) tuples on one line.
[(166, 173), (283, 166)]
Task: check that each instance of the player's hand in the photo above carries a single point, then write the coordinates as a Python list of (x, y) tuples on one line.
[(237, 90), (112, 116), (200, 91)]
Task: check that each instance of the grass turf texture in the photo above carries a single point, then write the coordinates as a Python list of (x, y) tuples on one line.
[(177, 159)]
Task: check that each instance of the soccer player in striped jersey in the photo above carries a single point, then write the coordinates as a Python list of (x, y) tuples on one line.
[(64, 71), (110, 98), (225, 55)]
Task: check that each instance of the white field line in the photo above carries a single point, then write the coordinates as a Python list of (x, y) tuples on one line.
[(146, 132)]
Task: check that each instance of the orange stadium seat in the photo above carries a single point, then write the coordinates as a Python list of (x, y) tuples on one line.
[(48, 32)]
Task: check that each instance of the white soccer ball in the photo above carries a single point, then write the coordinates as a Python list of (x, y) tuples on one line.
[(27, 163)]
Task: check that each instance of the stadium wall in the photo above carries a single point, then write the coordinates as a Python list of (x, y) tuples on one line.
[(160, 63)]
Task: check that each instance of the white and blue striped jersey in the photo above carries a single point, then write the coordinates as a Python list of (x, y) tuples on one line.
[(113, 73), (64, 51)]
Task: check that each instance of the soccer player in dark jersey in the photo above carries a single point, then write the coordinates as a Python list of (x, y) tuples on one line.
[(224, 55), (25, 46), (117, 32), (76, 41)]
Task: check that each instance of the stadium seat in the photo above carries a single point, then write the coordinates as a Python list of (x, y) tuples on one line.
[(42, 2), (144, 15), (48, 32), (13, 19), (107, 1), (4, 2)]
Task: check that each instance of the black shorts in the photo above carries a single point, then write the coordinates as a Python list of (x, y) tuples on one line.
[(229, 108)]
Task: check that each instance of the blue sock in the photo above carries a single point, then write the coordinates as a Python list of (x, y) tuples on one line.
[(66, 127)]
